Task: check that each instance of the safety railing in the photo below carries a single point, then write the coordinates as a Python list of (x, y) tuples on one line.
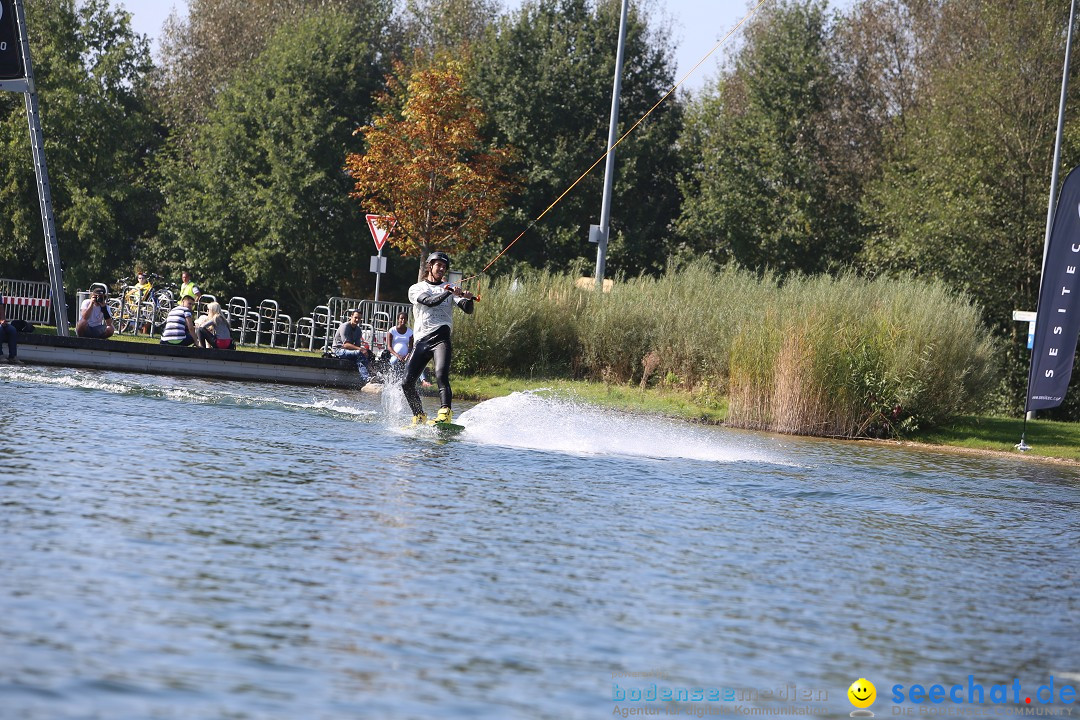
[(305, 330), (236, 310), (312, 327), (27, 300), (30, 301), (282, 329), (261, 325), (380, 324), (376, 315), (203, 303), (382, 315), (265, 321), (115, 306)]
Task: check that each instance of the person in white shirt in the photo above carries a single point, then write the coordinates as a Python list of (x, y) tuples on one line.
[(433, 306), (399, 340), (95, 321)]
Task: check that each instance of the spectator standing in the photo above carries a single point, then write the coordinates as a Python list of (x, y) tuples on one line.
[(8, 335), (349, 344), (179, 328), (94, 318), (188, 286)]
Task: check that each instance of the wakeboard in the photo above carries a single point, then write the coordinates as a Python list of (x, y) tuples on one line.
[(443, 429), (446, 428)]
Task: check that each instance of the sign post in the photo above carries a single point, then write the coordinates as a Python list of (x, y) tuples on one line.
[(380, 226), (1029, 317)]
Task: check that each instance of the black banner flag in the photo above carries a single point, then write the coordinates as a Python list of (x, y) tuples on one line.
[(1057, 323), (11, 67)]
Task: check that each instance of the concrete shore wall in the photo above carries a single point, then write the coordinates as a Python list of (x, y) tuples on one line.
[(196, 362)]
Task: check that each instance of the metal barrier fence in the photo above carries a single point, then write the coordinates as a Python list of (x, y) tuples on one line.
[(27, 300), (375, 317), (311, 328), (30, 301)]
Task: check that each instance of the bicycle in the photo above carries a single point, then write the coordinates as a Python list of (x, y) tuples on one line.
[(138, 307)]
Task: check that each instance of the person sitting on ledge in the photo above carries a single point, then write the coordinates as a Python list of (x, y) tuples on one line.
[(349, 345), (214, 329), (95, 321), (179, 328)]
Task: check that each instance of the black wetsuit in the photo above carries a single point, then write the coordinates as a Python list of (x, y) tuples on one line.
[(435, 344)]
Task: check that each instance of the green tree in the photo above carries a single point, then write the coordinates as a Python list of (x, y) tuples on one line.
[(769, 184), (438, 26), (962, 194), (261, 201), (545, 77), (91, 74), (203, 51), (426, 164)]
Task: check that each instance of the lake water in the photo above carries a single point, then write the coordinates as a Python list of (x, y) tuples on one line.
[(179, 548)]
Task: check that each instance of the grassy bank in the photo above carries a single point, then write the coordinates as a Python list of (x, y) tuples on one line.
[(1047, 438)]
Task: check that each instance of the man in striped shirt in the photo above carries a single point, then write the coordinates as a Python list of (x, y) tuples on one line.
[(179, 326)]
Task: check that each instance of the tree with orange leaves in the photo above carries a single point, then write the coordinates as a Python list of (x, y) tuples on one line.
[(427, 164)]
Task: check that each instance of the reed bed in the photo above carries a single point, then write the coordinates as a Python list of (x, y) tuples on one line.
[(835, 356)]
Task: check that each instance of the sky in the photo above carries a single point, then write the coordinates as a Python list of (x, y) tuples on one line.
[(697, 25)]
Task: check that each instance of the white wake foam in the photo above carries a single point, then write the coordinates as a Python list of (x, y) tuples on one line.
[(539, 420), (186, 390)]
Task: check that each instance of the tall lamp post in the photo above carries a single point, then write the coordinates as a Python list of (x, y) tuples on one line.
[(17, 75), (600, 235)]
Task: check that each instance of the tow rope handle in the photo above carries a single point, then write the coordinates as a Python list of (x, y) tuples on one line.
[(451, 287)]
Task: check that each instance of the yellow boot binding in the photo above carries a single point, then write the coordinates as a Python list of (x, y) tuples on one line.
[(446, 415)]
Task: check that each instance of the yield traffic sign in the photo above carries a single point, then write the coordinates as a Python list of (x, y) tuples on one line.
[(380, 226)]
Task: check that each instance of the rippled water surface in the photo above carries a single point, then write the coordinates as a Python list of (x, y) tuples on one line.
[(178, 548)]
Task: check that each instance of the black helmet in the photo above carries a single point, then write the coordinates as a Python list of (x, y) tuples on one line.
[(439, 255)]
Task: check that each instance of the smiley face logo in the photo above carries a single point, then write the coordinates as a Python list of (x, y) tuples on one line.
[(862, 693)]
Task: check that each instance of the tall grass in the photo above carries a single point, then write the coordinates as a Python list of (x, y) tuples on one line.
[(852, 357), (824, 356), (523, 326)]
